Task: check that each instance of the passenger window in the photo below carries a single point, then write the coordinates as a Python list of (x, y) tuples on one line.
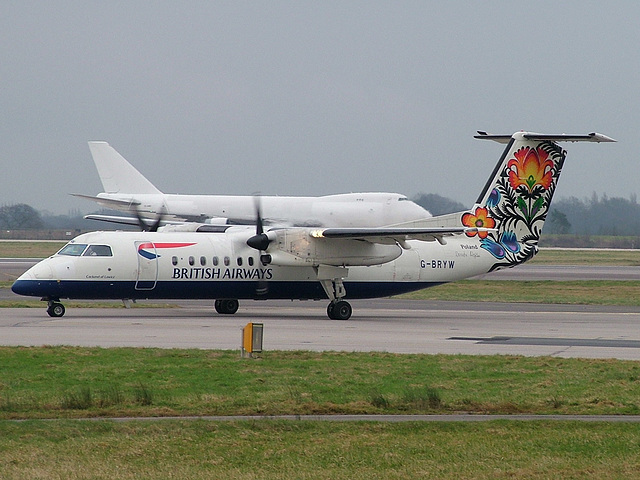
[(98, 251), (174, 260), (250, 260), (192, 261), (227, 261), (239, 261), (203, 261), (73, 249), (215, 261)]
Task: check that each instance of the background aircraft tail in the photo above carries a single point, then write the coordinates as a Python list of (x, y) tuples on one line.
[(116, 174)]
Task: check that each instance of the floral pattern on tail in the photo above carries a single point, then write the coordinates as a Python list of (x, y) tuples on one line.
[(517, 205)]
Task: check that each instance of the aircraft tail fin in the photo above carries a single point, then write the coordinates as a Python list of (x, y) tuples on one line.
[(513, 204), (516, 198), (116, 174)]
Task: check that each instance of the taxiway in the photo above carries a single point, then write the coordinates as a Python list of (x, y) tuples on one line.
[(388, 325)]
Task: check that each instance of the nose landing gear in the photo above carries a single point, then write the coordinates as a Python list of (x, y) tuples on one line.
[(55, 309)]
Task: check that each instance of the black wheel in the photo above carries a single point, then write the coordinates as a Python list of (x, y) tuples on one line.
[(340, 310), (226, 306), (56, 310), (330, 310)]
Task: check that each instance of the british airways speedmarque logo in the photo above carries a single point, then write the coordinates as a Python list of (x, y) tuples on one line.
[(147, 249)]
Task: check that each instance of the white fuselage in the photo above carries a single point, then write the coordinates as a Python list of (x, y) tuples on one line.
[(372, 209), (221, 265)]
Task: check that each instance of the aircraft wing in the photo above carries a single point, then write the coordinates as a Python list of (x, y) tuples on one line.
[(129, 220), (168, 225), (110, 202), (114, 219), (392, 235)]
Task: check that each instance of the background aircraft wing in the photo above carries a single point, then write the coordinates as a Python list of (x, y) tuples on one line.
[(114, 219), (110, 202)]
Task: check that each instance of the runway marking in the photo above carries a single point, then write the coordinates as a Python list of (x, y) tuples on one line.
[(547, 341)]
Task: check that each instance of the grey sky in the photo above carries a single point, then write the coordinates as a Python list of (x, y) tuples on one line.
[(311, 98)]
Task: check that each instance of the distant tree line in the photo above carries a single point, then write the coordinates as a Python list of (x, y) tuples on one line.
[(598, 215), (437, 204), (20, 217)]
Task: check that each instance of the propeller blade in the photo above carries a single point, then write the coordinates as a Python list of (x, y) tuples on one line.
[(259, 226), (260, 241), (144, 226)]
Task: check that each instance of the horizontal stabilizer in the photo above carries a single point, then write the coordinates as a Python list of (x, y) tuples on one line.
[(562, 137)]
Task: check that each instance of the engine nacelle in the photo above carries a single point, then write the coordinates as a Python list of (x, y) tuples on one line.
[(299, 247)]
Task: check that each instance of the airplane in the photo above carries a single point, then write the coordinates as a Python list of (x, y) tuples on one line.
[(226, 263), (127, 190)]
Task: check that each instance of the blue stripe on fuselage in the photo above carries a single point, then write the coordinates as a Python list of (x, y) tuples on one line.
[(104, 290)]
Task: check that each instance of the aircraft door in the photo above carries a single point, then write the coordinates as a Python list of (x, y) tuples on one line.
[(407, 267), (147, 266)]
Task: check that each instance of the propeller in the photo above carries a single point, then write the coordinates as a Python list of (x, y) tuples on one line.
[(260, 241), (146, 227)]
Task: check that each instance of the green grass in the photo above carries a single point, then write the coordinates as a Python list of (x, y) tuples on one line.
[(587, 257), (312, 450), (63, 383), (29, 249), (587, 292), (70, 382)]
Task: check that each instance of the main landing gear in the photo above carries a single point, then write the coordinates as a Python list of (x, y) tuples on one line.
[(339, 310), (226, 306), (55, 309)]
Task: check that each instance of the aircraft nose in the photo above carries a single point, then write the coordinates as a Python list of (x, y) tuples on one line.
[(24, 284), (29, 282), (21, 287)]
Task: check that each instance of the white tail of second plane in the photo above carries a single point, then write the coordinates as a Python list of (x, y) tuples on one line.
[(117, 174)]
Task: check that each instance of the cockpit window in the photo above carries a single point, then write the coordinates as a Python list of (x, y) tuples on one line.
[(98, 251), (73, 249), (403, 199)]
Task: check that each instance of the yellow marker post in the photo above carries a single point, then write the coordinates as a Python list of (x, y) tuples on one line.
[(252, 338)]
